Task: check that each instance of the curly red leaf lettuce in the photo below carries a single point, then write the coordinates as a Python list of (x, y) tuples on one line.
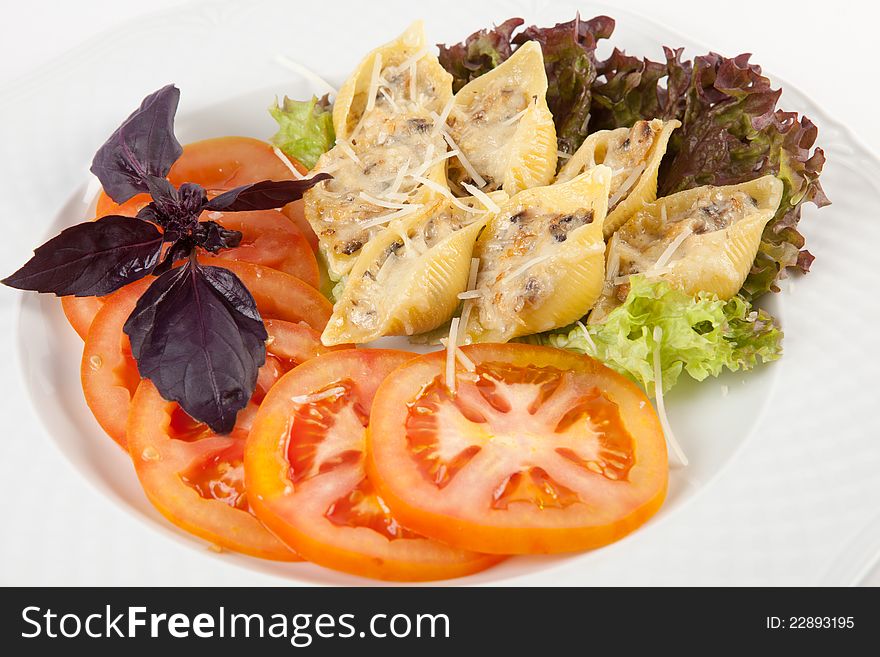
[(731, 133), (479, 53)]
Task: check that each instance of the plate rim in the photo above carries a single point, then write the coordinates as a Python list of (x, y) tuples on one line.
[(806, 104)]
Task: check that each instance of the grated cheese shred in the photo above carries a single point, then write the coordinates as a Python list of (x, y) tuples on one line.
[(516, 117), (613, 259), (307, 73), (468, 304), (398, 179), (528, 265), (440, 189), (318, 396), (390, 100), (483, 197), (587, 337), (281, 156), (374, 82), (466, 362), (451, 349), (661, 407), (412, 59), (670, 250), (624, 188), (381, 202), (471, 171), (349, 151), (389, 216), (440, 120), (470, 294)]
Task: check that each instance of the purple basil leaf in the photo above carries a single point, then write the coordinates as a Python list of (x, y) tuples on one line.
[(179, 249), (197, 335), (213, 237), (264, 195), (176, 210), (163, 193), (92, 258), (144, 145)]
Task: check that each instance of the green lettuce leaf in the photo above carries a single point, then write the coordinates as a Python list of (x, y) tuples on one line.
[(305, 128), (700, 336)]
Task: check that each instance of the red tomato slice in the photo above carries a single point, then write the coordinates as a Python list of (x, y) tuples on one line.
[(81, 311), (296, 214), (272, 240), (108, 373), (304, 468), (130, 208), (194, 477), (221, 163), (295, 314), (539, 450), (268, 240)]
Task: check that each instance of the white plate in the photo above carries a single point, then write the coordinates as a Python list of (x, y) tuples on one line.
[(783, 460)]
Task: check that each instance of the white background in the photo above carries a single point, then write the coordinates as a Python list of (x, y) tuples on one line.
[(824, 49), (827, 49)]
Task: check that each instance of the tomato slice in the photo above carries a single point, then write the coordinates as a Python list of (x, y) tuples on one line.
[(270, 239), (296, 213), (108, 372), (539, 450), (81, 311), (221, 163), (279, 295), (295, 315), (218, 165), (304, 468), (194, 477), (130, 208)]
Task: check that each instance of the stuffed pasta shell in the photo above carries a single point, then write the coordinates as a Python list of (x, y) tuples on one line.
[(703, 239), (541, 259), (502, 128), (401, 76), (389, 160), (408, 278), (634, 156)]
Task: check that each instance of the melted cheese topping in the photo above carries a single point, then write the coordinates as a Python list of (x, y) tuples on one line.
[(515, 270), (407, 87), (401, 254), (392, 149), (627, 155), (484, 129), (375, 177), (651, 244)]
